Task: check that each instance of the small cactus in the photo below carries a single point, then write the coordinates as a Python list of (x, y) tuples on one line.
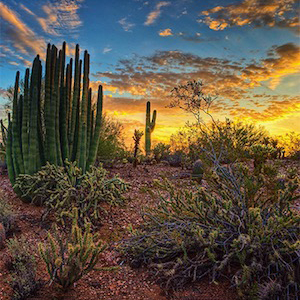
[(68, 259), (137, 138), (198, 171)]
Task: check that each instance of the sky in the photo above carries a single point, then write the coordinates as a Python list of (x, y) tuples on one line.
[(246, 52)]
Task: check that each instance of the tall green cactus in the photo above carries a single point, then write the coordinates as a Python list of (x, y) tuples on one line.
[(149, 128), (51, 124)]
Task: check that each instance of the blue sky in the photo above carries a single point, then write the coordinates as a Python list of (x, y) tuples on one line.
[(246, 52)]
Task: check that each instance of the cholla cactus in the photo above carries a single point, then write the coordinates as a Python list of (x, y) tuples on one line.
[(68, 259), (260, 154), (137, 139)]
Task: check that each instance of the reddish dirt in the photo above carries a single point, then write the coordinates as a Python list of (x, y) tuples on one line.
[(125, 282)]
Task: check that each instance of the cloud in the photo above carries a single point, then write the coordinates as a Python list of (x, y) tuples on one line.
[(27, 9), (13, 63), (275, 110), (166, 32), (153, 15), (153, 77), (282, 61), (106, 50), (9, 53), (126, 25), (16, 32), (280, 13), (196, 38), (61, 16)]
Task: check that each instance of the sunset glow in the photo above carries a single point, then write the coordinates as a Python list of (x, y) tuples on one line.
[(246, 52)]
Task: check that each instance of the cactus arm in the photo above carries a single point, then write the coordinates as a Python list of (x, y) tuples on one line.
[(16, 147), (57, 112), (64, 118), (150, 125), (33, 137), (9, 156), (75, 102), (153, 121), (89, 112), (42, 159), (25, 121), (96, 137), (75, 134), (51, 136), (47, 104), (92, 128), (69, 100), (83, 117)]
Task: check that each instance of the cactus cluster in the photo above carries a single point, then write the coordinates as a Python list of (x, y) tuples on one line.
[(69, 258), (57, 188), (149, 128), (53, 119)]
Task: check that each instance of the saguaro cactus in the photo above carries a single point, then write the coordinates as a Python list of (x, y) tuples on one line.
[(51, 123), (149, 128)]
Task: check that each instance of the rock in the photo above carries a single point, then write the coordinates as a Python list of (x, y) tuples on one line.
[(2, 235), (198, 171)]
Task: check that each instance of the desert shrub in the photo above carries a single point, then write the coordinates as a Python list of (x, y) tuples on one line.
[(23, 269), (69, 257), (291, 142), (161, 151), (177, 159), (62, 188), (260, 153), (224, 230), (7, 218), (111, 143), (229, 140)]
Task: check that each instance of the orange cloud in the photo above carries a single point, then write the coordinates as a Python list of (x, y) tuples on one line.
[(281, 13), (156, 75), (153, 15), (166, 32), (276, 109), (153, 77), (21, 36)]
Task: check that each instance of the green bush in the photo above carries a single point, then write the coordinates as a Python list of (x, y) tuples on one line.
[(62, 188), (260, 153), (69, 257), (7, 218), (229, 140), (161, 151), (23, 269), (225, 230), (111, 143)]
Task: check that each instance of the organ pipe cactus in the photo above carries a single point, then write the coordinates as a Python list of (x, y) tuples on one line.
[(149, 128), (49, 122)]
